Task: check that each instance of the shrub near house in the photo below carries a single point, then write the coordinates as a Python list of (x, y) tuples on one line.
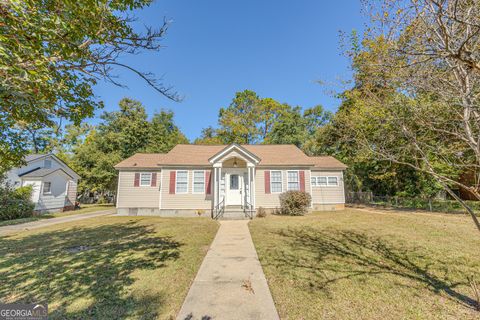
[(15, 203), (295, 203)]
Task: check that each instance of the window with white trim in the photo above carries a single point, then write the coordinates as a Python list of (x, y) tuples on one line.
[(47, 188), (325, 181), (321, 181), (332, 181), (182, 181), (276, 181), (199, 181), (293, 181), (145, 179), (313, 181)]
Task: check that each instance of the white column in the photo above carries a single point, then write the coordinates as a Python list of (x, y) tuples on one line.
[(214, 188), (219, 183), (253, 188), (217, 169), (251, 181)]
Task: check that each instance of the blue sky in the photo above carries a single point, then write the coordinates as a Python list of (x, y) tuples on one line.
[(215, 48)]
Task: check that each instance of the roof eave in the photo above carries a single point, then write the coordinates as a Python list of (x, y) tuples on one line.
[(255, 158)]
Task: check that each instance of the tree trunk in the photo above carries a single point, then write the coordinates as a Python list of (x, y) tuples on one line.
[(469, 210)]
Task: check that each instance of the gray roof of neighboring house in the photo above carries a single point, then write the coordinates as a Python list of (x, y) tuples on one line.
[(34, 156), (39, 173)]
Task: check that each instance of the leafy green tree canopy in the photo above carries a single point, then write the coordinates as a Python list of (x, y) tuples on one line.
[(250, 119), (120, 135), (53, 52)]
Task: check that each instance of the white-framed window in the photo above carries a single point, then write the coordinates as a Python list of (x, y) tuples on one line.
[(199, 181), (47, 163), (332, 181), (145, 179), (182, 181), (276, 181), (313, 181), (321, 181), (293, 180), (325, 181), (47, 188)]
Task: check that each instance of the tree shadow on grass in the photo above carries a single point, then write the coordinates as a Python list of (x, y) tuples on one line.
[(327, 256), (90, 264)]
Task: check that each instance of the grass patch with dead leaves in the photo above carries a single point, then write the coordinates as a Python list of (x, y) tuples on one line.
[(106, 267), (363, 265)]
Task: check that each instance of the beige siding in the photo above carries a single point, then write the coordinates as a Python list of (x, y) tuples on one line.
[(188, 200), (136, 197), (272, 200), (159, 196), (328, 195)]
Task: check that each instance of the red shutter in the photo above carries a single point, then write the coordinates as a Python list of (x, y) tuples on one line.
[(153, 183), (208, 185), (172, 182), (302, 180), (136, 181), (267, 181)]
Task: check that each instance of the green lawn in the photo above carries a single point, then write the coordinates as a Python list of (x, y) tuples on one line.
[(360, 265), (132, 268), (85, 208)]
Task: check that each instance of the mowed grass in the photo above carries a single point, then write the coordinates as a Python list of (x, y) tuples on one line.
[(85, 208), (358, 265), (106, 267)]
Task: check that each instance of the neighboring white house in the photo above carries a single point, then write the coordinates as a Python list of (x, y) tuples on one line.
[(54, 183), (221, 180)]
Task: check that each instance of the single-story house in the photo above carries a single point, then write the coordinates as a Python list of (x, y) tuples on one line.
[(54, 183), (225, 180)]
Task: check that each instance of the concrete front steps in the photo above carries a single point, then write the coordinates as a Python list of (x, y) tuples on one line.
[(233, 213)]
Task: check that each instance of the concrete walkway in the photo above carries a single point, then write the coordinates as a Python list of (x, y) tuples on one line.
[(230, 283), (50, 222)]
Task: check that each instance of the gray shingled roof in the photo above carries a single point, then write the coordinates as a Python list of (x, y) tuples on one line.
[(33, 156), (39, 172)]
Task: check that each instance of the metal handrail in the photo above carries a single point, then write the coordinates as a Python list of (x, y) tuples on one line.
[(219, 210), (248, 210)]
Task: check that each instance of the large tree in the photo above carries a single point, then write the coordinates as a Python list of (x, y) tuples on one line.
[(53, 52), (250, 119), (120, 135), (288, 128), (164, 134), (209, 136), (417, 79), (238, 122), (292, 126), (366, 170)]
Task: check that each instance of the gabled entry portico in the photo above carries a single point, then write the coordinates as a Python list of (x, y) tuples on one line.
[(233, 180)]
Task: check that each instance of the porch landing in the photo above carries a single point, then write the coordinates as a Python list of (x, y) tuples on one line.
[(230, 283)]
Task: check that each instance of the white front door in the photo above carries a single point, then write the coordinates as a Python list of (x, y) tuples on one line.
[(234, 188)]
